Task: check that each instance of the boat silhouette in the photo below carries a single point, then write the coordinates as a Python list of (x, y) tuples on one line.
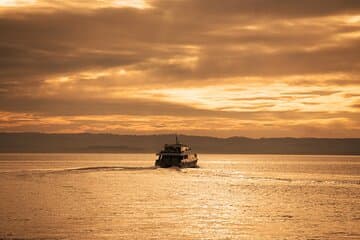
[(176, 155)]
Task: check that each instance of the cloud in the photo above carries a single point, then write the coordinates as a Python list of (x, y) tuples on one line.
[(150, 124), (66, 58), (63, 41), (265, 8), (318, 92), (144, 107), (356, 105)]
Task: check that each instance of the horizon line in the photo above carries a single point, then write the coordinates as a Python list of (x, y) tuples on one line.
[(168, 134)]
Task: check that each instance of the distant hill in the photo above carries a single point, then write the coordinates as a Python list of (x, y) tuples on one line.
[(109, 143)]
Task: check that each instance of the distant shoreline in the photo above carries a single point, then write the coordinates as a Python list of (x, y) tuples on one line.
[(278, 154), (109, 143)]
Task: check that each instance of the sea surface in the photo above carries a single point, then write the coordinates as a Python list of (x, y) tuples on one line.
[(122, 196)]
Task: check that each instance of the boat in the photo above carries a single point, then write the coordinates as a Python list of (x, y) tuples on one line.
[(176, 155)]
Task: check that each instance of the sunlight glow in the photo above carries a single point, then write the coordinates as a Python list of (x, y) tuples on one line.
[(141, 4), (15, 3), (353, 19)]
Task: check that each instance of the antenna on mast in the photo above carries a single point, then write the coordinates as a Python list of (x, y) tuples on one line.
[(177, 140)]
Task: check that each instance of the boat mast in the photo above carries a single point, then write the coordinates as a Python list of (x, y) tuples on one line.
[(177, 140)]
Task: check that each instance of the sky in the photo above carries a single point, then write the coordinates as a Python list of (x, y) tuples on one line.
[(255, 68)]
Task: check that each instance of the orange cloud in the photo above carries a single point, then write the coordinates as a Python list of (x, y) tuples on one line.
[(225, 68)]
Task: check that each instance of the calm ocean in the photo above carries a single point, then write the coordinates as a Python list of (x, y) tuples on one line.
[(122, 196)]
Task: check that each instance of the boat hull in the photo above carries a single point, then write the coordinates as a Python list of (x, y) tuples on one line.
[(166, 163)]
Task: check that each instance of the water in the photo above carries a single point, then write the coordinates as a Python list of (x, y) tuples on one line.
[(121, 196)]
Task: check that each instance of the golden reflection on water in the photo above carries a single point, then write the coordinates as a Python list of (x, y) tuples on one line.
[(230, 197)]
